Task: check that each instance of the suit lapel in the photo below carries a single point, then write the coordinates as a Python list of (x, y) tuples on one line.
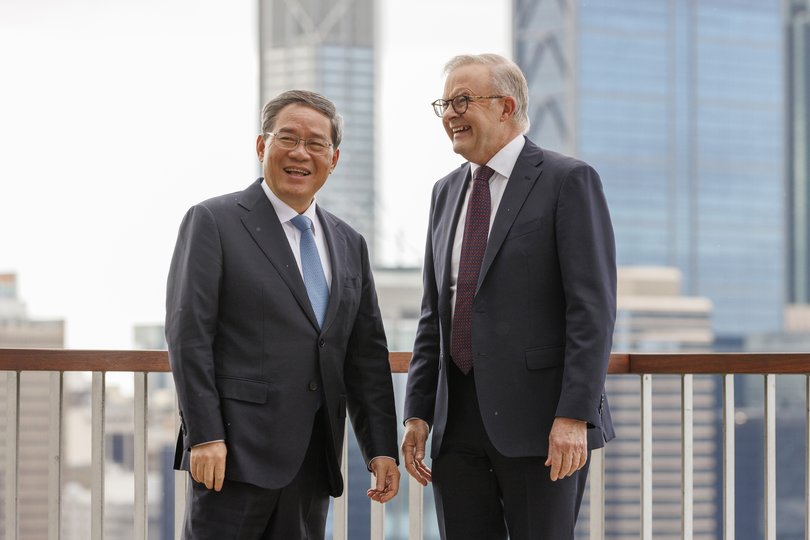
[(528, 169), (263, 225), (455, 199), (336, 243)]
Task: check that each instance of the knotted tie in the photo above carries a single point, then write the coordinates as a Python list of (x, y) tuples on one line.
[(311, 268), (474, 243)]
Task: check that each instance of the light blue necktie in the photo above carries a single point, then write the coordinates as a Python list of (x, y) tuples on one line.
[(311, 268)]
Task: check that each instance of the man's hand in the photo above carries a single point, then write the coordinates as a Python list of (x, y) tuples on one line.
[(413, 450), (567, 447), (386, 474), (208, 464)]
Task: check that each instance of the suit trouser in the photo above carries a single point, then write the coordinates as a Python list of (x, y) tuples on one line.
[(481, 494), (247, 512)]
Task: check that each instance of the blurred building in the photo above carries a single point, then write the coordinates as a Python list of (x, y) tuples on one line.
[(797, 137), (679, 106), (18, 330), (327, 46)]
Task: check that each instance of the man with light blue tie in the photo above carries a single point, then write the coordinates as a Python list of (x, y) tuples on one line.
[(274, 336)]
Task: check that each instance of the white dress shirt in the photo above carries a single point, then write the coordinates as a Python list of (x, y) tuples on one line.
[(502, 163), (285, 214)]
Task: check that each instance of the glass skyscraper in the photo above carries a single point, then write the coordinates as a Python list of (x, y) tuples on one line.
[(327, 46), (679, 106)]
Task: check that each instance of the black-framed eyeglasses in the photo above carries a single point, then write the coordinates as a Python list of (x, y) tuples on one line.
[(315, 146), (459, 103)]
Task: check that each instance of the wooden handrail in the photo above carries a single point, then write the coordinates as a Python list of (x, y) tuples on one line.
[(631, 363)]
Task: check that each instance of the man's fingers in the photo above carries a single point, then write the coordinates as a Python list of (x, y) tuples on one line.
[(219, 476), (583, 459), (208, 464), (413, 450), (386, 480), (556, 464), (209, 476)]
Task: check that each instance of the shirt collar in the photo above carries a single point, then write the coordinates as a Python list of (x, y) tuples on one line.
[(504, 160), (284, 212)]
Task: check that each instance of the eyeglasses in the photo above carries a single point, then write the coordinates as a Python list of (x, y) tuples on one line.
[(316, 147), (459, 103)]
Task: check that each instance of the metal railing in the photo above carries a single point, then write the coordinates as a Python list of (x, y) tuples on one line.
[(14, 362)]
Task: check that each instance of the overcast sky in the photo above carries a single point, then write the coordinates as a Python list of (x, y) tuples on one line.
[(115, 117)]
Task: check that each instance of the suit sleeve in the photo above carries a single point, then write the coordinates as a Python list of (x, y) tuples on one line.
[(586, 250), (367, 372), (423, 372), (192, 301)]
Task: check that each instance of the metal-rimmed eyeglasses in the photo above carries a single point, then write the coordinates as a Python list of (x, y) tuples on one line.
[(459, 103), (315, 146)]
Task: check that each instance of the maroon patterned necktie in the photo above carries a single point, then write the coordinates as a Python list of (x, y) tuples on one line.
[(476, 231)]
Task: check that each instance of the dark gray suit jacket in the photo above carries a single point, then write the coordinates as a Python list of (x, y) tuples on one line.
[(251, 364), (544, 309)]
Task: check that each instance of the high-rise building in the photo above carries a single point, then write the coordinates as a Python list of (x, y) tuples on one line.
[(679, 106), (17, 330), (327, 46), (797, 136)]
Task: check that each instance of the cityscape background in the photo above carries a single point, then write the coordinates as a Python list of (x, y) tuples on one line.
[(120, 116)]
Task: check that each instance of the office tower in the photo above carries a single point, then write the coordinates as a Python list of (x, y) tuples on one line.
[(327, 46), (17, 330), (797, 139), (679, 106)]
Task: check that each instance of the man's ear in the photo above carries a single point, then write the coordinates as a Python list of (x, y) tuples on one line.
[(509, 107), (260, 147)]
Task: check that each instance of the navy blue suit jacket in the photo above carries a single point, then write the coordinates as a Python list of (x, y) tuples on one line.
[(251, 364), (543, 313)]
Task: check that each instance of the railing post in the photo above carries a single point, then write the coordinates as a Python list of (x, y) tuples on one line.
[(97, 457), (728, 457), (55, 455), (415, 508), (12, 452), (770, 457), (377, 531), (687, 451), (646, 457), (807, 458), (140, 465), (597, 495)]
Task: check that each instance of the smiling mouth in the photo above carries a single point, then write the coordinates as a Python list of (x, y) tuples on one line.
[(293, 171), (460, 129)]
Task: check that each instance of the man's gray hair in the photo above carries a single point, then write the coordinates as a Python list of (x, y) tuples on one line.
[(302, 97), (507, 79)]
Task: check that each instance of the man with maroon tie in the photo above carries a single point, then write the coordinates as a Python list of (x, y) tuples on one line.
[(516, 328)]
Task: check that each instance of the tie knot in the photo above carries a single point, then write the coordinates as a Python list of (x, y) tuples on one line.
[(483, 173), (302, 222)]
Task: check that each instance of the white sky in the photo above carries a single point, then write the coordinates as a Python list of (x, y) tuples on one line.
[(116, 116)]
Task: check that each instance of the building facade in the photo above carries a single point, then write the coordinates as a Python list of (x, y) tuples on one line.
[(327, 46), (18, 330), (679, 106)]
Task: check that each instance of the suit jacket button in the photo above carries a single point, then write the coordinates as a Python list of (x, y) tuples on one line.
[(321, 343), (312, 385)]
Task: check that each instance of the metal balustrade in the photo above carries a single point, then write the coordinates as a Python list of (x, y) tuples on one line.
[(14, 362)]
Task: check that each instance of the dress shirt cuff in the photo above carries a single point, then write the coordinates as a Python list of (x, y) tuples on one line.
[(208, 442), (405, 423), (380, 457)]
